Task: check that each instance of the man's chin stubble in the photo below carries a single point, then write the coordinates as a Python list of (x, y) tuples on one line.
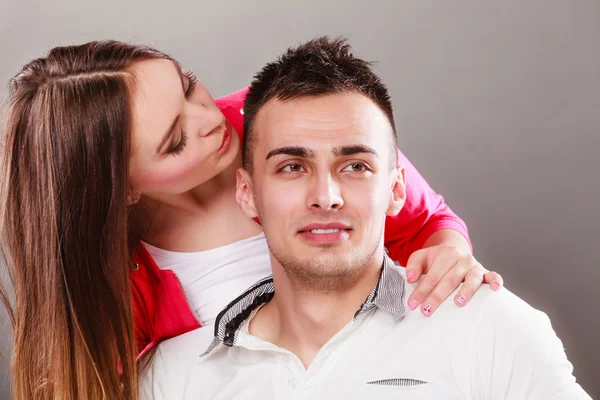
[(322, 276)]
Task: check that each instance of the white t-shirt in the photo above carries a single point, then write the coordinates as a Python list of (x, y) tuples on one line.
[(498, 347), (212, 278)]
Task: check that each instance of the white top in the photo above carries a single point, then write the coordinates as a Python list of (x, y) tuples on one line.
[(498, 347), (212, 278)]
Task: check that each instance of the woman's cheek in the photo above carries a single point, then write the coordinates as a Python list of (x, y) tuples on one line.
[(173, 174)]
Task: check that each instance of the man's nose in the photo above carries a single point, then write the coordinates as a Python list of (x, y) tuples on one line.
[(325, 193)]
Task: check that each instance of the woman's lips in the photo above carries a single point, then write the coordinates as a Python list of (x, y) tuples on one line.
[(226, 138)]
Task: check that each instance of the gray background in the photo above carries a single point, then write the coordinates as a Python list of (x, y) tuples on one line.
[(497, 104)]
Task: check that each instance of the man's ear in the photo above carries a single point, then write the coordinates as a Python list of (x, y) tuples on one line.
[(398, 192), (243, 193)]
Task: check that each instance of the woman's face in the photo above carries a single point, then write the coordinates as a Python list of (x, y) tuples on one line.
[(180, 138)]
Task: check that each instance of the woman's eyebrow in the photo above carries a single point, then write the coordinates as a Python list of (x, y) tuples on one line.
[(167, 134)]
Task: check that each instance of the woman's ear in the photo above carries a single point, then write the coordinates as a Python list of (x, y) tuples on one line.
[(133, 196), (243, 193), (397, 191)]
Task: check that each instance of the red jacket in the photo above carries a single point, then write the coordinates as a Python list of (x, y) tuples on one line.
[(161, 310)]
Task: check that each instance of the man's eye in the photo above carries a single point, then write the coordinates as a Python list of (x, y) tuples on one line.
[(355, 167), (292, 168)]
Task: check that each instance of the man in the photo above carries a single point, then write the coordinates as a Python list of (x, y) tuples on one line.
[(320, 173)]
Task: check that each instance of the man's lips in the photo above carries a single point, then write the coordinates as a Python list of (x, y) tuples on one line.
[(325, 232), (325, 227)]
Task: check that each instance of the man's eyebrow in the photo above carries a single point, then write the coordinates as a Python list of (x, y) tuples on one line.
[(169, 132), (354, 149), (296, 151)]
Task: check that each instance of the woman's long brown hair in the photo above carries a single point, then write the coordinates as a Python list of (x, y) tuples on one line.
[(64, 222)]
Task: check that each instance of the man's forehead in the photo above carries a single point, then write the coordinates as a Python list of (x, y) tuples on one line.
[(332, 120), (349, 107)]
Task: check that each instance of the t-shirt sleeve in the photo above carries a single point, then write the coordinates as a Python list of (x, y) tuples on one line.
[(517, 354), (423, 214)]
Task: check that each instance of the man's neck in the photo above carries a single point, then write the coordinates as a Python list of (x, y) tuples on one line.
[(303, 321)]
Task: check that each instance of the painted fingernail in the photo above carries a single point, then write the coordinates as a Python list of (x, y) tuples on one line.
[(427, 310), (497, 285), (461, 299), (410, 275), (413, 304)]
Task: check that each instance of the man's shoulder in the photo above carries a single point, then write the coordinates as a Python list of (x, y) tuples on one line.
[(490, 314), (501, 305), (188, 346), (173, 362), (486, 302)]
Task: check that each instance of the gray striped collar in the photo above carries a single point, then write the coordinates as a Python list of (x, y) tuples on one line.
[(388, 295)]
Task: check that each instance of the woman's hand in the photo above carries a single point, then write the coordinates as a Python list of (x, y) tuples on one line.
[(445, 267)]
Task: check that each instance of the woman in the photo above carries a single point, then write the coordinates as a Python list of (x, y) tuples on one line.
[(107, 144)]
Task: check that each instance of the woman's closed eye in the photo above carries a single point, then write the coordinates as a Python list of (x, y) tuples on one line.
[(178, 148), (191, 86)]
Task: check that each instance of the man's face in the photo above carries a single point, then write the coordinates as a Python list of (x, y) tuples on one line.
[(322, 185)]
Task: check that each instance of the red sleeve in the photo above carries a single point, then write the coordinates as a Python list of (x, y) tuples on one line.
[(423, 214), (141, 321), (232, 107), (143, 305), (424, 211)]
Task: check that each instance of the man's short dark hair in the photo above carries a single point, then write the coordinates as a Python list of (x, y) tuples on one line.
[(319, 67)]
